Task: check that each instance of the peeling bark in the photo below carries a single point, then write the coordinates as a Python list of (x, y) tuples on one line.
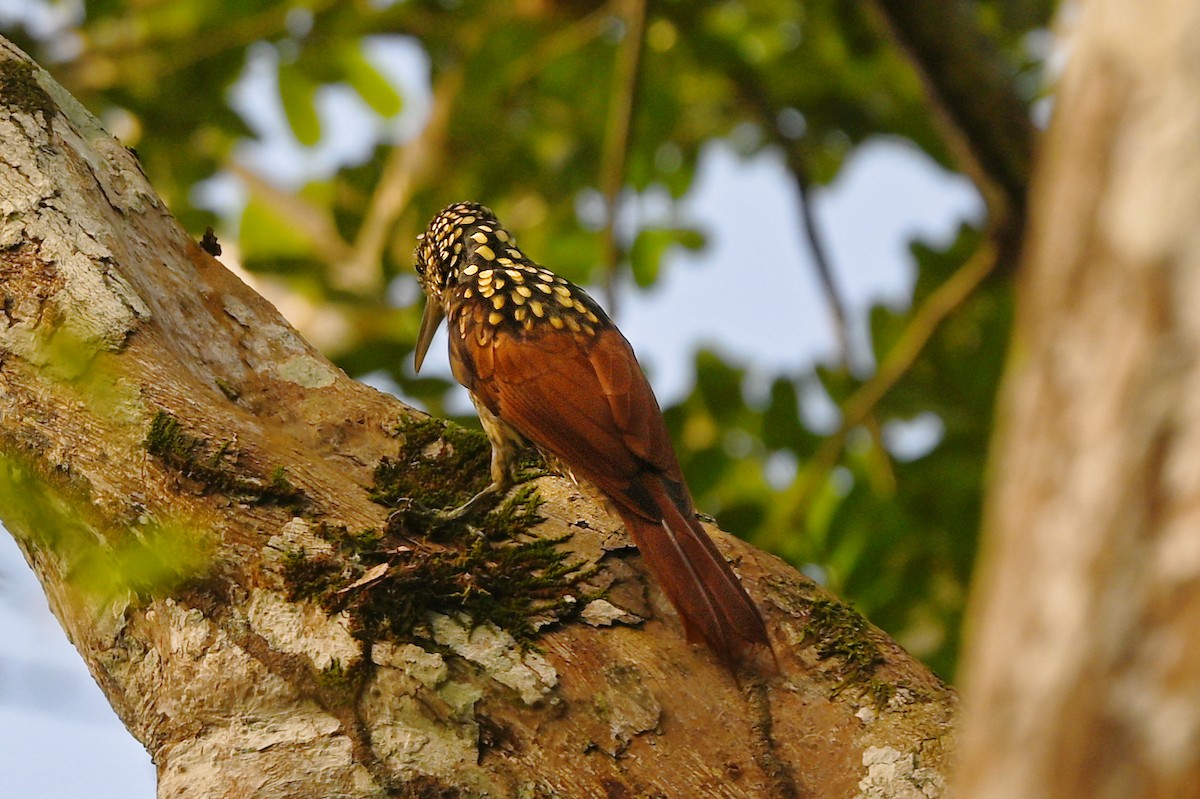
[(149, 399)]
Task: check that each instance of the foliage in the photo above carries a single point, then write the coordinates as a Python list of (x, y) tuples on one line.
[(108, 565), (521, 116)]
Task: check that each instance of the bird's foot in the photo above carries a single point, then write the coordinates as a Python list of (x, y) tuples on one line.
[(484, 501), (412, 511)]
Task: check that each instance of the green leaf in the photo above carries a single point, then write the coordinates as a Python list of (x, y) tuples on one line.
[(299, 96), (268, 232), (371, 84), (653, 244)]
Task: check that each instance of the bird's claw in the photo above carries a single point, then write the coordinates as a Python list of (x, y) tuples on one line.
[(410, 510)]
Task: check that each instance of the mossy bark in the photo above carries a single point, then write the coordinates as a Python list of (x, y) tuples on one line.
[(233, 496)]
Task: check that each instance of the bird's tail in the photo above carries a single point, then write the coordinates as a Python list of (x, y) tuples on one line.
[(708, 596)]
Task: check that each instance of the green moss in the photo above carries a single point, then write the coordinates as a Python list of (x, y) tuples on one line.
[(492, 573), (440, 464), (839, 632), (20, 89), (228, 390), (340, 685), (880, 692), (844, 637), (213, 466), (312, 576)]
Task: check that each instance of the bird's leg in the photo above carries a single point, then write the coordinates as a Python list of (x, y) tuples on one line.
[(503, 467), (506, 446), (506, 449)]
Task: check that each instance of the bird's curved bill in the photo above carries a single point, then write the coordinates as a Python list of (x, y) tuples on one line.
[(429, 324)]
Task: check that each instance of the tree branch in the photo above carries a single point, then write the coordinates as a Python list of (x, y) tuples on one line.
[(970, 84), (793, 506), (616, 139), (406, 169), (196, 488)]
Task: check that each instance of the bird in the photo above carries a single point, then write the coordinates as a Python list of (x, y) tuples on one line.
[(544, 364)]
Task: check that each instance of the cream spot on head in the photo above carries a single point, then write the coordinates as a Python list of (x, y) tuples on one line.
[(495, 318), (591, 331), (573, 323), (525, 291), (562, 291), (466, 220), (502, 235), (486, 228), (538, 309), (564, 301), (457, 248), (498, 301), (499, 283), (542, 287), (504, 261), (515, 275), (579, 307), (513, 253), (517, 299), (486, 290), (468, 294), (486, 252), (471, 269), (591, 317), (486, 276), (520, 313), (556, 322), (479, 238)]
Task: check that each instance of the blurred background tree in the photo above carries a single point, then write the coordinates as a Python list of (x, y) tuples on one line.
[(319, 137)]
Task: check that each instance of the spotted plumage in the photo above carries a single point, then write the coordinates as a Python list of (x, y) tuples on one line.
[(543, 363), (458, 266)]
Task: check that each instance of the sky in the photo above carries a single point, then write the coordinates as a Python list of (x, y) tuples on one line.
[(58, 736)]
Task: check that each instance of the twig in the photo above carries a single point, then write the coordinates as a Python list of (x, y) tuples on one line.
[(314, 223), (616, 139), (971, 86), (792, 507), (406, 168), (556, 45), (816, 247), (130, 43)]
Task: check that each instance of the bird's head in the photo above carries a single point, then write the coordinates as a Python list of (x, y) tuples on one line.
[(459, 236)]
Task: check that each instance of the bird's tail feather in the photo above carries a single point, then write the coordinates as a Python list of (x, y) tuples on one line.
[(710, 599)]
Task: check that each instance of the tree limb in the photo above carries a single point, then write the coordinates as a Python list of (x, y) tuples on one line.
[(178, 467), (621, 105), (971, 85), (793, 506)]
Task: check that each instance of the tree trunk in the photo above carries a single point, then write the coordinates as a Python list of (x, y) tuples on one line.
[(1083, 675), (193, 485)]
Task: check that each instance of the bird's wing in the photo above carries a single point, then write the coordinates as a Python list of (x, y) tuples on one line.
[(582, 398)]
